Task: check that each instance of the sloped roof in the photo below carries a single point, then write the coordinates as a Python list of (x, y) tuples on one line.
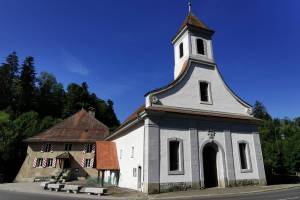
[(64, 155), (106, 156), (80, 127), (192, 21)]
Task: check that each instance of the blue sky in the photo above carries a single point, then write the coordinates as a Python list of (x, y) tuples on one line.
[(123, 49)]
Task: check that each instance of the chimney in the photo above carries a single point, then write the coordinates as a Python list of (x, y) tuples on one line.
[(92, 111)]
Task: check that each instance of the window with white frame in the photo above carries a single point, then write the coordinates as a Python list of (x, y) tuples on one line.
[(68, 147), (49, 162), (132, 152), (48, 147), (89, 148), (134, 170), (205, 95), (175, 154), (181, 53), (200, 46), (88, 163), (39, 162), (245, 162)]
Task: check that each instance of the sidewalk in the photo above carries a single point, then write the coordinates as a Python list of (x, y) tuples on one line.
[(215, 192), (35, 188), (131, 194)]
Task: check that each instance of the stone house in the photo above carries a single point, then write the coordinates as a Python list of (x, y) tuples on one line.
[(194, 132), (70, 144)]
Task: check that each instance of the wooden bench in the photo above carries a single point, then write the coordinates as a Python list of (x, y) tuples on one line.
[(55, 186), (92, 190), (72, 188), (45, 184)]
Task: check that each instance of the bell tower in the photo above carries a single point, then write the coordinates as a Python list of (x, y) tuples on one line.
[(193, 40)]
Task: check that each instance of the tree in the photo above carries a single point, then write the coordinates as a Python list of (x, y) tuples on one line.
[(8, 80), (73, 101), (50, 95), (27, 90), (110, 117), (260, 111)]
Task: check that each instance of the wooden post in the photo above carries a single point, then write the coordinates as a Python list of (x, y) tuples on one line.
[(98, 179), (102, 178)]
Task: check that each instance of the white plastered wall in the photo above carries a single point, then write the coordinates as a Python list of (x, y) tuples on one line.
[(184, 135), (186, 94), (253, 172), (186, 52), (124, 144)]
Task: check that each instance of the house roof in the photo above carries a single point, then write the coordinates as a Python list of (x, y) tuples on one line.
[(106, 156), (80, 127)]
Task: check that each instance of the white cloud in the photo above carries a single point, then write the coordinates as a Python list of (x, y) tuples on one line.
[(73, 64)]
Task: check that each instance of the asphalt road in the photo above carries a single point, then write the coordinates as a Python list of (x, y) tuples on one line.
[(8, 195), (289, 194)]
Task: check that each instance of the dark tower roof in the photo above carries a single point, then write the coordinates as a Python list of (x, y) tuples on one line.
[(192, 22)]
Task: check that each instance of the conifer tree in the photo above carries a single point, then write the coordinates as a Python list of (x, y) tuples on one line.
[(27, 93), (8, 80)]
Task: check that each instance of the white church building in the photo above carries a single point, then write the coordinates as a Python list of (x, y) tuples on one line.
[(192, 133)]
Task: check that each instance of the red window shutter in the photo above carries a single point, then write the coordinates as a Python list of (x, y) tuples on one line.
[(34, 162)]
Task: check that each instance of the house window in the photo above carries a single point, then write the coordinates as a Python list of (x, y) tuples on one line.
[(175, 156), (89, 148), (49, 162), (87, 163), (200, 46), (39, 162), (132, 152), (204, 92), (181, 50), (68, 147), (134, 172), (48, 147), (243, 155)]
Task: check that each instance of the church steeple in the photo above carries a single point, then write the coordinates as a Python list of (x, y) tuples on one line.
[(193, 40)]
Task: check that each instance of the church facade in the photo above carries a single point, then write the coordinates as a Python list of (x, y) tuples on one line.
[(194, 132)]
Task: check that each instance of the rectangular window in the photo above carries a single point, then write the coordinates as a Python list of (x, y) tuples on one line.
[(174, 155), (68, 147), (89, 148), (49, 162), (204, 91), (48, 147), (132, 152), (134, 172), (200, 46), (39, 162), (87, 163), (181, 50), (243, 155)]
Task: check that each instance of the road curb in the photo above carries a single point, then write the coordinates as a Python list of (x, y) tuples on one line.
[(227, 194)]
